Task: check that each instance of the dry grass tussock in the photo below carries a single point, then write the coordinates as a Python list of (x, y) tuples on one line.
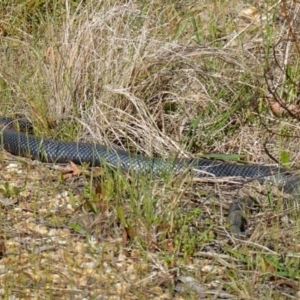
[(172, 79), (127, 82), (131, 87)]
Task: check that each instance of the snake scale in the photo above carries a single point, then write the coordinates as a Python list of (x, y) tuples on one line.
[(47, 150)]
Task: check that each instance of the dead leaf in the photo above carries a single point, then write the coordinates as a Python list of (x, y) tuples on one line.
[(3, 30), (98, 171), (97, 202), (289, 283), (75, 171), (101, 190), (269, 267), (130, 232), (280, 108), (124, 243), (2, 246)]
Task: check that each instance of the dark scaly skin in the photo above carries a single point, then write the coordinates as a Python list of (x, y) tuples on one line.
[(23, 144), (236, 215), (46, 150)]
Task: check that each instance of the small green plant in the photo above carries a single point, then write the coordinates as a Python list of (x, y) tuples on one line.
[(10, 191), (187, 238)]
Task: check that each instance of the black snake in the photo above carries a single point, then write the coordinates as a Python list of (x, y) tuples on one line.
[(47, 150)]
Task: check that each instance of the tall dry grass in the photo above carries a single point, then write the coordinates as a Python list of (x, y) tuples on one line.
[(117, 72)]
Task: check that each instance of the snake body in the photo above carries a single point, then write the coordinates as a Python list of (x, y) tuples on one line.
[(27, 145), (47, 150)]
